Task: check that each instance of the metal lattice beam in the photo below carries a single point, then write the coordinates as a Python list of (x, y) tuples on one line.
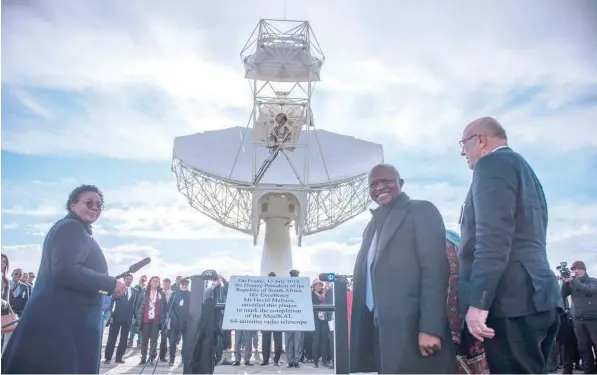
[(326, 209), (227, 204)]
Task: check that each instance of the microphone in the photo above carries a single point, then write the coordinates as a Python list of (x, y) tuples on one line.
[(209, 275), (135, 267)]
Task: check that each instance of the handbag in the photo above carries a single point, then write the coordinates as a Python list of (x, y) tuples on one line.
[(11, 316)]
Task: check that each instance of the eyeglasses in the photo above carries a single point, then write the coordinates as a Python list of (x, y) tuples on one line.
[(91, 204), (463, 141)]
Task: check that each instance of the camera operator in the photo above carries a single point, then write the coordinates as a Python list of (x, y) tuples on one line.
[(583, 291)]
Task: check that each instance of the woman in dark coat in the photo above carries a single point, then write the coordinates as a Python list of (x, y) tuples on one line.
[(60, 329)]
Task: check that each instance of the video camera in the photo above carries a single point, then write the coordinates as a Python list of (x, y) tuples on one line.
[(564, 270)]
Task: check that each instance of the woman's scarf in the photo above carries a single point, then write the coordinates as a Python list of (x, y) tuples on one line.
[(474, 362)]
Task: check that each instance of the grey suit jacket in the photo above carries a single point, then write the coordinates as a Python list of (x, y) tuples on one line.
[(503, 259)]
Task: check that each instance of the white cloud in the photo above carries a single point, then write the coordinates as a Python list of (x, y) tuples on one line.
[(408, 75), (10, 226), (419, 75), (147, 217)]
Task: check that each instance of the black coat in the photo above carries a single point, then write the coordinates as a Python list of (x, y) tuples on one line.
[(410, 275), (60, 330), (503, 258), (124, 307), (180, 310)]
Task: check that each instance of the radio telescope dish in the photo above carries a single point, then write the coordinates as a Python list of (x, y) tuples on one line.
[(278, 169)]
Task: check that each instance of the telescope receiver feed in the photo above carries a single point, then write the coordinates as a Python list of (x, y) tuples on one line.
[(278, 170)]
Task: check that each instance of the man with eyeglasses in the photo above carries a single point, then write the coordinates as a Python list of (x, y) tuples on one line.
[(583, 292), (19, 292), (507, 291)]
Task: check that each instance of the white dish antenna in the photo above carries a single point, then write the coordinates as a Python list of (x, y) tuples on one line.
[(278, 169)]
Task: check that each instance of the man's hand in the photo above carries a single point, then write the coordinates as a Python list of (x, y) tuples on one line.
[(476, 322), (119, 290), (429, 344), (567, 279)]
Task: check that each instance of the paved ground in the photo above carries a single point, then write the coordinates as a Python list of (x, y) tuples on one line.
[(133, 357)]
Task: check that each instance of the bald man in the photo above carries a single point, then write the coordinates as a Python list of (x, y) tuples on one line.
[(507, 289), (399, 320)]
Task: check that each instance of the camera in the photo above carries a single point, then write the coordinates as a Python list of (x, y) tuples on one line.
[(564, 270)]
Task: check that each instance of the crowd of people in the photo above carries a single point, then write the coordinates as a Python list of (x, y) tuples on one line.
[(424, 300)]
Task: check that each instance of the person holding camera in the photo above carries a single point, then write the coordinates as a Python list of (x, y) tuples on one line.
[(583, 292)]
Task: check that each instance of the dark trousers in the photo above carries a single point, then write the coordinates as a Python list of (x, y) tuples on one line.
[(174, 339), (115, 329), (586, 336), (149, 332), (321, 340), (266, 345), (370, 355), (522, 345), (164, 344), (331, 354)]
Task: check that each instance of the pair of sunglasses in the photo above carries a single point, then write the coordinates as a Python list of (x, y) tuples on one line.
[(91, 204)]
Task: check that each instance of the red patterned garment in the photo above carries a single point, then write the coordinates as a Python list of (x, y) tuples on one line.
[(475, 362)]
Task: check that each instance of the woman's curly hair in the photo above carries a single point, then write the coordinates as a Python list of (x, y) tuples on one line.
[(76, 193)]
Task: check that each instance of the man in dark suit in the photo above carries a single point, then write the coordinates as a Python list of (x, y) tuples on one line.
[(399, 321), (507, 289), (121, 320)]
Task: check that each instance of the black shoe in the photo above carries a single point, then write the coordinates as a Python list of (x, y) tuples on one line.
[(315, 364), (107, 362), (264, 363), (290, 364), (276, 363), (235, 363), (296, 365), (248, 363), (163, 360), (142, 362), (119, 361)]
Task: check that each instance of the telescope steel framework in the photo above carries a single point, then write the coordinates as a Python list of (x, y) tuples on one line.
[(282, 61)]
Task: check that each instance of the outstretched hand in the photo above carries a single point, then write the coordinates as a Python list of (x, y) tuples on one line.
[(476, 321)]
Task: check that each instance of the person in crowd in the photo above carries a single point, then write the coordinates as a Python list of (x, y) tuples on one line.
[(169, 292), (19, 292), (5, 296), (31, 278), (294, 340), (266, 336), (399, 317), (176, 285), (178, 316), (135, 327), (471, 355), (60, 330), (321, 336), (123, 309), (219, 291), (508, 291), (151, 312), (243, 341), (329, 300), (583, 291), (566, 339), (25, 278)]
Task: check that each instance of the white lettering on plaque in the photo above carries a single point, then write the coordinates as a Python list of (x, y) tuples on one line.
[(263, 303)]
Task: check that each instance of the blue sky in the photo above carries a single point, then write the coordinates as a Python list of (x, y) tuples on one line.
[(95, 92)]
